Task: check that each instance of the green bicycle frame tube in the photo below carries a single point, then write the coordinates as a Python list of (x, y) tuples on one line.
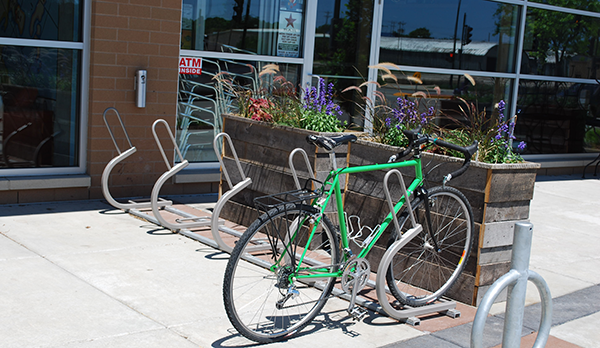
[(334, 182)]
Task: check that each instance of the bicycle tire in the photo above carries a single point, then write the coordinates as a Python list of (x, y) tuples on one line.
[(418, 274), (254, 282)]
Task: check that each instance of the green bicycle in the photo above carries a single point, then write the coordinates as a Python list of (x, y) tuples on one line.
[(284, 267)]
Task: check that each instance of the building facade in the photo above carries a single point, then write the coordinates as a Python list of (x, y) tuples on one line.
[(64, 62)]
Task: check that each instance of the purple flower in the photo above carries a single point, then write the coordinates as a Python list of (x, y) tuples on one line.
[(321, 100), (501, 107), (522, 146)]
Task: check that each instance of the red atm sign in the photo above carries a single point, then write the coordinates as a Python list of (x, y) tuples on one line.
[(190, 66)]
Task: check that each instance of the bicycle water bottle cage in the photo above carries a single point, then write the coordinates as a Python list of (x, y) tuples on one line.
[(330, 143)]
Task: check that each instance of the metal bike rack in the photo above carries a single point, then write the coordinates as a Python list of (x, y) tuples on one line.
[(118, 159), (516, 282), (293, 169), (188, 221), (233, 190), (406, 314)]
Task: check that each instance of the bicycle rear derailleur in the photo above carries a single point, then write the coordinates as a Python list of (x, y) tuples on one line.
[(354, 278)]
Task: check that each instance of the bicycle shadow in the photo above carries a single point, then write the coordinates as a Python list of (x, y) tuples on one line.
[(332, 320)]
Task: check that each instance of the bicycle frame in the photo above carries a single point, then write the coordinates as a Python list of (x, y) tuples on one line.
[(333, 181)]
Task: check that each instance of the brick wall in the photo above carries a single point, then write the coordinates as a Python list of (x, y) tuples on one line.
[(129, 35)]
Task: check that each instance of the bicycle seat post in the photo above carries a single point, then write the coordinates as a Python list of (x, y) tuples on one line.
[(332, 159)]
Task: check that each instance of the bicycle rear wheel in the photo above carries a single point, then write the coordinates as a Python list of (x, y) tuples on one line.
[(419, 274), (263, 300)]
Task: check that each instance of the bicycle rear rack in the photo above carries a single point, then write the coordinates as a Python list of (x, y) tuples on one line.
[(118, 159)]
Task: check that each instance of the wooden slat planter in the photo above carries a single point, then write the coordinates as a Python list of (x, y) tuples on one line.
[(499, 193), (263, 150)]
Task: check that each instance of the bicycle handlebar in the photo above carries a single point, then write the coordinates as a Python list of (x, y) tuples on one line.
[(414, 138)]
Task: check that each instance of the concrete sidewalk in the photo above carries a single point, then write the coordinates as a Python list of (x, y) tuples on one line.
[(82, 274)]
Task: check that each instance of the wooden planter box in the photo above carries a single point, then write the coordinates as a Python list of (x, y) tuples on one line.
[(499, 193), (263, 150)]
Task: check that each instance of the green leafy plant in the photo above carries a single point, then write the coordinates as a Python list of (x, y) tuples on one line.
[(275, 100), (319, 111), (493, 132)]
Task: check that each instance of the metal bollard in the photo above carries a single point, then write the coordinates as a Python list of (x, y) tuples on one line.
[(516, 282)]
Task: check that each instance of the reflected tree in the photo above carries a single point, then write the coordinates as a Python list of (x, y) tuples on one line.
[(423, 33), (350, 38), (556, 37)]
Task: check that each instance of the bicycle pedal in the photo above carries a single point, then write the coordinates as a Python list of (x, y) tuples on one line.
[(358, 313)]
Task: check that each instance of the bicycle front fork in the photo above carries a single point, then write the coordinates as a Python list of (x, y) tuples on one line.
[(425, 195)]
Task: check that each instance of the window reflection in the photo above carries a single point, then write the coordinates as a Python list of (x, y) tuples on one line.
[(41, 19), (205, 97), (557, 117), (587, 5), (267, 27), (449, 101), (343, 37), (561, 44), (342, 50), (461, 34), (39, 120)]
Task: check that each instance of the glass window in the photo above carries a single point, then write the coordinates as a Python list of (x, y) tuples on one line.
[(470, 34), (267, 27), (454, 91), (561, 44), (41, 19), (587, 5), (214, 90), (343, 37), (342, 50), (39, 122), (556, 117)]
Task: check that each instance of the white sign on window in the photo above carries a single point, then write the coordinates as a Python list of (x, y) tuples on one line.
[(290, 31)]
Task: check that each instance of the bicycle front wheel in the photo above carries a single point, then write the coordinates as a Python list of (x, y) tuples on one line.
[(418, 273), (265, 297)]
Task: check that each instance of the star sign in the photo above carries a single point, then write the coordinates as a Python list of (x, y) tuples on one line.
[(290, 21)]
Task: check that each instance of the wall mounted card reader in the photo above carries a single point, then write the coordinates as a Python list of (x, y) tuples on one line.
[(140, 88)]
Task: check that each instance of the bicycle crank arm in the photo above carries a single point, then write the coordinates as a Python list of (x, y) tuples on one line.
[(357, 313)]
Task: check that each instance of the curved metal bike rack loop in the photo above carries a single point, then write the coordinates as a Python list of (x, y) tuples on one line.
[(407, 314), (118, 159), (233, 190), (190, 221), (516, 282), (171, 171), (293, 169)]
